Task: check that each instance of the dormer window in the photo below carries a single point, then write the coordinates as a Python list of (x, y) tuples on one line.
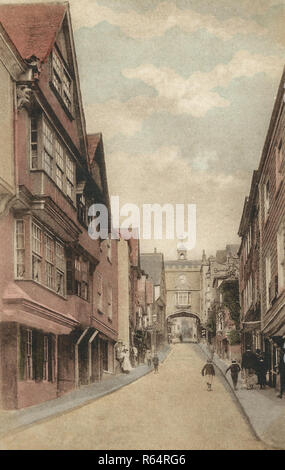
[(61, 80)]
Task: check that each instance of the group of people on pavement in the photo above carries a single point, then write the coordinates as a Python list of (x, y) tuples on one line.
[(253, 367), (126, 365)]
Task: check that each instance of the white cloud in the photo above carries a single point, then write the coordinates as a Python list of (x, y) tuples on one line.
[(176, 95), (196, 95), (165, 176), (156, 22)]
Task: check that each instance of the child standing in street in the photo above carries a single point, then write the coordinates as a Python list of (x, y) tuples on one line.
[(235, 370), (208, 372), (155, 361)]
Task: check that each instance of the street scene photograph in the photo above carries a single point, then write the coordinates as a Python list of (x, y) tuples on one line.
[(142, 227)]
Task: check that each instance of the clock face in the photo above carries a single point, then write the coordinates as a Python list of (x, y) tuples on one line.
[(182, 279)]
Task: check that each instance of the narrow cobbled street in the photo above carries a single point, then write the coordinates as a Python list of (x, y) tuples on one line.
[(168, 410)]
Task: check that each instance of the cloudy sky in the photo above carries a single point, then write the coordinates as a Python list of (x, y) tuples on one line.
[(183, 91)]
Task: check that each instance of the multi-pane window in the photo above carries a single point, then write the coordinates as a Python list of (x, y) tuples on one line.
[(82, 278), (34, 142), (53, 258), (183, 298), (47, 148), (36, 358), (49, 259), (20, 249), (69, 176), (55, 161), (36, 252), (61, 80), (59, 164)]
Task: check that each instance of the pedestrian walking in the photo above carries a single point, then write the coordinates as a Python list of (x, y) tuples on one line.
[(262, 370), (208, 372), (155, 361), (235, 370), (148, 357), (181, 338), (249, 364)]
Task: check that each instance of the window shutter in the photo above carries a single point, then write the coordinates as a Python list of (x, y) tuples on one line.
[(23, 351)]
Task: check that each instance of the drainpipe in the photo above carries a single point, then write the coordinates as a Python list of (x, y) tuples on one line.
[(76, 357), (90, 355)]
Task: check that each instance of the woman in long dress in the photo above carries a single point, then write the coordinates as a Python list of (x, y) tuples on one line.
[(126, 365)]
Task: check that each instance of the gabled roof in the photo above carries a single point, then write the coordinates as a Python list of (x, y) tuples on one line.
[(33, 27), (98, 165), (93, 142)]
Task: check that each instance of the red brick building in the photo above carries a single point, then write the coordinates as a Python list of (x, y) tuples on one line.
[(262, 251), (58, 286), (272, 234)]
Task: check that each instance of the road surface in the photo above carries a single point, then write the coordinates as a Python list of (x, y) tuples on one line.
[(170, 410)]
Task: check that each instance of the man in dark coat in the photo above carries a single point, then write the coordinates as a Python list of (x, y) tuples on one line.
[(261, 373), (155, 361), (235, 370), (208, 372)]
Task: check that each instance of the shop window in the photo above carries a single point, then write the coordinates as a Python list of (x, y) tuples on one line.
[(36, 361)]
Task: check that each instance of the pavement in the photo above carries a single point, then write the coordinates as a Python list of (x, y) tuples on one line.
[(16, 419), (264, 411), (171, 409)]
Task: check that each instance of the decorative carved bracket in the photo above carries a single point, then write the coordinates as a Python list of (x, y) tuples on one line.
[(24, 94)]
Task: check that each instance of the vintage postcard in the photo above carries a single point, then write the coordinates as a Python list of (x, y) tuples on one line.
[(142, 227)]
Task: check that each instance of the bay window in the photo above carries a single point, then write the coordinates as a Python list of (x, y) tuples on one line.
[(48, 259), (53, 157)]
